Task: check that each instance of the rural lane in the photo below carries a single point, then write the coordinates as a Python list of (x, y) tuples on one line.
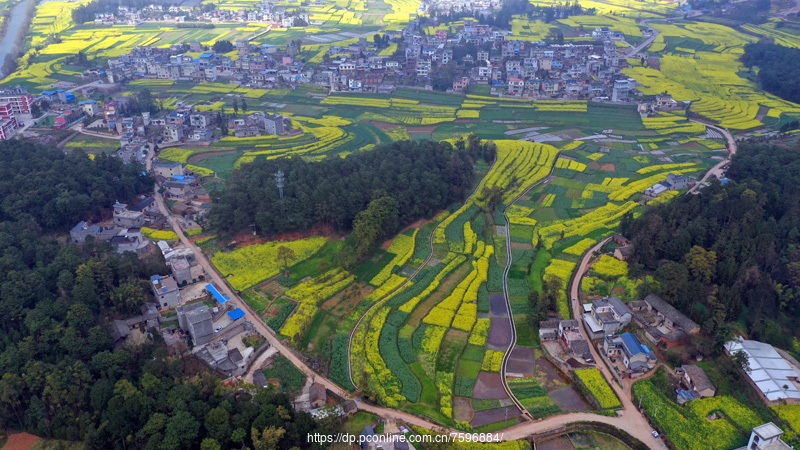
[(630, 421), (717, 169)]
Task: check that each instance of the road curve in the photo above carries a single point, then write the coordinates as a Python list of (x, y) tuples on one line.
[(416, 272), (717, 169), (513, 342), (631, 421)]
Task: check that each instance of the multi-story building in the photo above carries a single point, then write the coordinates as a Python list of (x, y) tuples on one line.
[(166, 291), (8, 121), (19, 98)]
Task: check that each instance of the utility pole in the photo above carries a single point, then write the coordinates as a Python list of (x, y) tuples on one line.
[(279, 183)]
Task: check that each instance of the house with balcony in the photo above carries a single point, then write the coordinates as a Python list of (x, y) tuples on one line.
[(606, 316)]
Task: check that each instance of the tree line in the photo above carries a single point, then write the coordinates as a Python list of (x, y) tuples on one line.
[(421, 177), (732, 253), (62, 376), (778, 68), (85, 13), (51, 191)]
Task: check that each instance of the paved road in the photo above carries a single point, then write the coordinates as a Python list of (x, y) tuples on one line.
[(504, 365), (717, 169), (631, 419), (258, 363), (644, 44)]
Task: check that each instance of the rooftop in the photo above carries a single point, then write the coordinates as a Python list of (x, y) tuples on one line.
[(767, 431), (768, 370), (698, 377), (670, 312), (632, 344), (212, 289), (236, 314)]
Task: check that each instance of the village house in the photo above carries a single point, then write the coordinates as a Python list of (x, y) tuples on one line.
[(165, 290), (696, 380), (127, 219), (572, 340), (606, 317), (766, 437), (663, 323), (635, 356), (548, 330), (196, 320)]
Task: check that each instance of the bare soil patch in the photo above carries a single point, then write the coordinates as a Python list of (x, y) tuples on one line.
[(489, 385), (499, 335), (497, 304), (548, 375), (541, 197), (197, 157), (341, 303), (559, 443), (21, 441), (568, 399), (462, 409), (424, 129), (521, 246), (521, 361), (494, 415), (382, 125)]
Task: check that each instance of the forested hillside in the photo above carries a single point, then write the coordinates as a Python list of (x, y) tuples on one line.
[(54, 191), (732, 253), (421, 177), (60, 375), (777, 68)]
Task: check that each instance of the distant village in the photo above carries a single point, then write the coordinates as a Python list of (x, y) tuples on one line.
[(474, 53)]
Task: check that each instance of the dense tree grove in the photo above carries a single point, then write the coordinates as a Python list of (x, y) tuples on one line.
[(731, 253), (421, 177), (502, 18), (60, 374), (85, 13), (49, 190), (778, 67)]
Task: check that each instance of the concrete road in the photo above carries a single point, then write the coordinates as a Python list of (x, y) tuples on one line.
[(717, 169), (631, 420)]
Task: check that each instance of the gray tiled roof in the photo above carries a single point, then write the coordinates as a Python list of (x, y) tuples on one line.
[(580, 347), (698, 377), (670, 313)]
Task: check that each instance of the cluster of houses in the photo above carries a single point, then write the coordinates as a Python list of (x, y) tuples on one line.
[(14, 101), (514, 68), (264, 12), (180, 184), (604, 320), (672, 183), (257, 65), (181, 125), (124, 233)]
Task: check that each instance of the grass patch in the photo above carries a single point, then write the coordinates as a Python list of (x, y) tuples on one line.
[(290, 377)]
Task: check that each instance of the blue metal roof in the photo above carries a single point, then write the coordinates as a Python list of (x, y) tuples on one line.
[(86, 102), (206, 55), (212, 288), (48, 92), (632, 343), (236, 314)]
